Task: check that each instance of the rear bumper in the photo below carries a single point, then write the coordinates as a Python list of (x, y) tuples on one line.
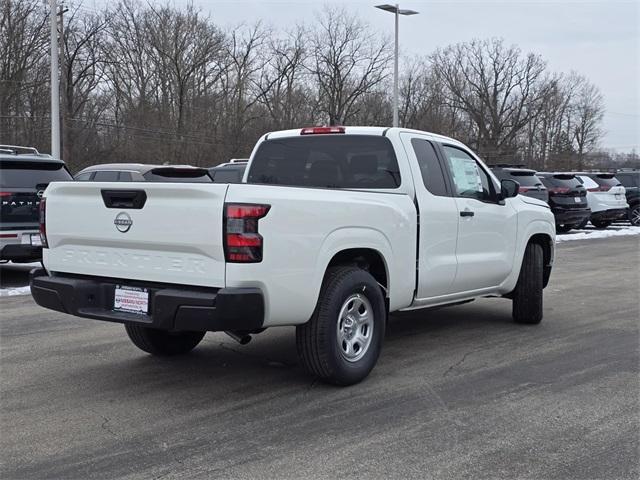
[(612, 214), (570, 216), (171, 307)]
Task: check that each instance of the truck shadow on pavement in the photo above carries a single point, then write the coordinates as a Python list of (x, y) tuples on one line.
[(219, 364)]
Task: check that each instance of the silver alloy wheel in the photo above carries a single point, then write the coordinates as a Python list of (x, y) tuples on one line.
[(355, 327), (635, 216)]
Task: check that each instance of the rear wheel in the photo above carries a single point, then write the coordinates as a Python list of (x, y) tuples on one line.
[(527, 296), (601, 223), (634, 215), (341, 342), (161, 342)]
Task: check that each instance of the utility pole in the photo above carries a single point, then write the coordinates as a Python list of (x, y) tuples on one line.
[(64, 79), (55, 85)]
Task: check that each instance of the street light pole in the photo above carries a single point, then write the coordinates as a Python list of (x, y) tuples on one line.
[(55, 86), (395, 74), (395, 9)]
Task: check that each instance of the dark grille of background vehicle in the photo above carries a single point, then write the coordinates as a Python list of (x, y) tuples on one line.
[(327, 161)]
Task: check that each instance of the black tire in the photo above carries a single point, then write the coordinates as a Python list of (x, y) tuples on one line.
[(317, 340), (601, 224), (634, 215), (564, 228), (583, 223), (161, 342), (527, 296)]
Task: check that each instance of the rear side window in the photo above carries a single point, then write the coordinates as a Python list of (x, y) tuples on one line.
[(31, 174), (126, 177), (327, 161), (605, 180), (629, 180), (106, 176), (84, 177), (432, 175)]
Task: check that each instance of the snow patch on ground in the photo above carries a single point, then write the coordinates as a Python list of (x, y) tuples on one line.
[(13, 291), (591, 234)]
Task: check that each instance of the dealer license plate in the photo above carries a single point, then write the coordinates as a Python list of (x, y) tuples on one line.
[(577, 199), (131, 299)]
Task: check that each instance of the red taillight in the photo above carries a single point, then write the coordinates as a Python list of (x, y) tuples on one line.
[(242, 242), (559, 190), (321, 130), (5, 194), (43, 222)]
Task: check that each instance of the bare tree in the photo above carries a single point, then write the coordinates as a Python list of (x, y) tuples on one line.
[(82, 76), (347, 61), (281, 85), (23, 72), (587, 111), (499, 89)]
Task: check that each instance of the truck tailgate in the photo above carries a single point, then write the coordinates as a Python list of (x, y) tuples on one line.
[(175, 237)]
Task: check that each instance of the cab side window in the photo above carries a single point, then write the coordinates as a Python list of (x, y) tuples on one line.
[(469, 179), (432, 174)]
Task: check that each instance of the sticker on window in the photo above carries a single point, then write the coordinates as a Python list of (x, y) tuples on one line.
[(466, 175)]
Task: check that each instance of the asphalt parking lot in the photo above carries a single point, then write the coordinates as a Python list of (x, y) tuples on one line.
[(458, 393)]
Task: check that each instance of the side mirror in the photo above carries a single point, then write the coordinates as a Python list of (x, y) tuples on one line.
[(509, 188)]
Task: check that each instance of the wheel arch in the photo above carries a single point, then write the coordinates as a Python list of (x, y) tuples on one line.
[(368, 259), (548, 251)]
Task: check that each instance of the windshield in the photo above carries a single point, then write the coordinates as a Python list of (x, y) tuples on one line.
[(329, 161)]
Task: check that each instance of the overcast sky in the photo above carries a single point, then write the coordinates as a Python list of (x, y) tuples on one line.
[(598, 38)]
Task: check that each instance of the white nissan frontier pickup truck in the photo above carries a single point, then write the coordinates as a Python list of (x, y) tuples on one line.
[(331, 230)]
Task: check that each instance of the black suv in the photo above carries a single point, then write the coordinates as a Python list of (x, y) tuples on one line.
[(630, 180), (530, 184), (567, 199), (23, 179)]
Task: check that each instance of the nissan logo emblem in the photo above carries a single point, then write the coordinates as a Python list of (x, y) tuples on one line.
[(40, 193), (123, 222)]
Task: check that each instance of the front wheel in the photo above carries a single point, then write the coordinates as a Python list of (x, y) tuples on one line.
[(161, 342), (341, 342), (634, 215), (527, 296)]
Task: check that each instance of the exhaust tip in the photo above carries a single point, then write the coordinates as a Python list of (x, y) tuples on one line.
[(241, 338)]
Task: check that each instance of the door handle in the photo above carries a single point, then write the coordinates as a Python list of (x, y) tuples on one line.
[(466, 213)]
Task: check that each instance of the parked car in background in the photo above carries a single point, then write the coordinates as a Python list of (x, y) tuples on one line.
[(605, 197), (24, 175), (333, 229), (230, 172), (530, 184), (630, 179), (567, 199), (140, 172)]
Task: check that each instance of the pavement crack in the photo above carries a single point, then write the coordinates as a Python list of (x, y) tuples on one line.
[(105, 426), (457, 364)]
